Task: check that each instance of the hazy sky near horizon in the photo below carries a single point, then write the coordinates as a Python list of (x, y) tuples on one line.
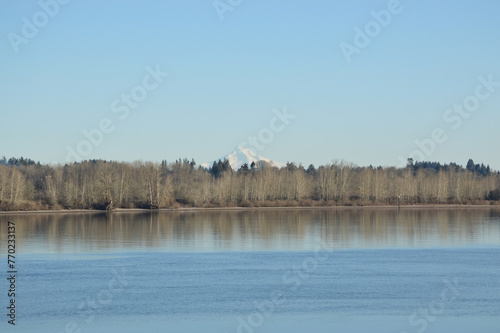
[(369, 82)]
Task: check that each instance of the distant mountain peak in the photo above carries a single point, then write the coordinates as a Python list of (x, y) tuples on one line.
[(241, 155)]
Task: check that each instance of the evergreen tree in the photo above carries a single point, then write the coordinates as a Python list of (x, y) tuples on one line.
[(290, 166), (311, 170), (244, 167), (216, 169), (226, 166), (470, 165)]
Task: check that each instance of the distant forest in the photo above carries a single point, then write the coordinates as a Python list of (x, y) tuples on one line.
[(106, 185)]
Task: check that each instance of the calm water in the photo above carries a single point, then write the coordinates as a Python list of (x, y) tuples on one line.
[(363, 270)]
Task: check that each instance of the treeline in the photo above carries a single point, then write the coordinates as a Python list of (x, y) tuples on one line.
[(99, 184)]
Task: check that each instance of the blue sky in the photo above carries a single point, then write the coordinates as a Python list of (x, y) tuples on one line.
[(225, 78)]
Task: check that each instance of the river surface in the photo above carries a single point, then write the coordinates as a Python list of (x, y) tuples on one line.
[(300, 270)]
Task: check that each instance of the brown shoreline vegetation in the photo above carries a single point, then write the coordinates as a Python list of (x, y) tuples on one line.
[(242, 209), (97, 185)]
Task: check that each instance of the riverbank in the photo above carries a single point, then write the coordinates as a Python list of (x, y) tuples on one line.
[(236, 208)]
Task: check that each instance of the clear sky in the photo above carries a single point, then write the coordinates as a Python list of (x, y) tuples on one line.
[(362, 95)]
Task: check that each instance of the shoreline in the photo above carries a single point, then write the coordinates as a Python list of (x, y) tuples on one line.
[(215, 209)]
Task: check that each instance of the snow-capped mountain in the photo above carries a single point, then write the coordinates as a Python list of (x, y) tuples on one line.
[(241, 155)]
